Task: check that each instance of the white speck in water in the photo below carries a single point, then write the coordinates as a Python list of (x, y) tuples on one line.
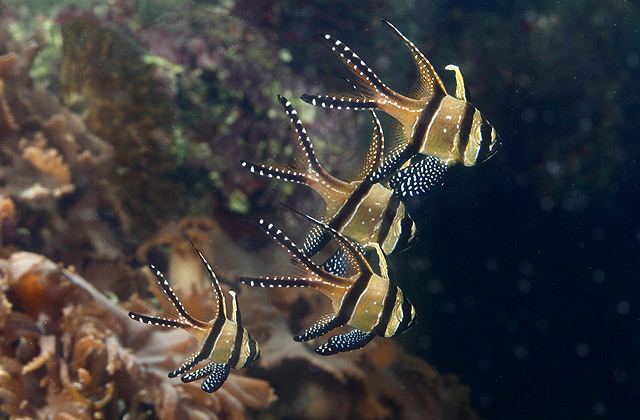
[(623, 307), (582, 349), (598, 276)]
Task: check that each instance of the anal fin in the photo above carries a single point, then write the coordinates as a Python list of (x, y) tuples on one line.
[(419, 178), (197, 374), (321, 327), (219, 374), (186, 365), (353, 340)]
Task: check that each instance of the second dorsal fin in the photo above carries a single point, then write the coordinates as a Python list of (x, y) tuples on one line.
[(221, 306)]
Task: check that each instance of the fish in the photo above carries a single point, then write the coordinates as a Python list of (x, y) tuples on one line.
[(365, 211), (223, 342), (435, 130), (366, 300)]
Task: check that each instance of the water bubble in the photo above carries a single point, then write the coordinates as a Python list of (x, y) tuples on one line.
[(524, 286), (491, 264), (526, 268), (623, 307), (598, 276), (633, 60), (520, 352), (554, 168), (599, 408), (425, 341), (542, 325), (582, 349), (585, 124), (434, 286), (449, 307), (547, 203)]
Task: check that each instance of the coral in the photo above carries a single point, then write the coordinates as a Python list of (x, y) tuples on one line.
[(62, 335)]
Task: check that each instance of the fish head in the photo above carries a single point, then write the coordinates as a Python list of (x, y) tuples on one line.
[(484, 141)]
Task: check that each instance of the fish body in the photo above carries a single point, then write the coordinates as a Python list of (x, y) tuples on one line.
[(441, 128), (223, 342), (363, 210), (361, 298)]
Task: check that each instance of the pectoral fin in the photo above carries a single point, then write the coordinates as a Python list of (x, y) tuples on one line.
[(337, 264), (419, 178), (219, 374), (353, 340), (315, 240)]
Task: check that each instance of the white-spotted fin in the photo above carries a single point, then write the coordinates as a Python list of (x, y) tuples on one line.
[(222, 340), (361, 298)]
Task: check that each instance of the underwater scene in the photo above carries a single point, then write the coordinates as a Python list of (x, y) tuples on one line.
[(277, 209)]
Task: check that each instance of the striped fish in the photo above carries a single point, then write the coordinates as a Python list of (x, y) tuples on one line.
[(361, 298), (363, 210), (436, 130), (224, 344)]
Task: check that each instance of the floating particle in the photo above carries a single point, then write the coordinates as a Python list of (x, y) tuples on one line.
[(598, 276), (623, 307), (524, 286), (520, 352), (582, 349)]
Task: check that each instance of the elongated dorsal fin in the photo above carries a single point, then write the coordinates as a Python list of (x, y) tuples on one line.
[(461, 90), (235, 311), (221, 306), (429, 83), (163, 283), (375, 154), (305, 146)]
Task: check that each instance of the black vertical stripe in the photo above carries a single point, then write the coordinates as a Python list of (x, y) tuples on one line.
[(237, 346), (406, 317), (351, 204), (405, 233), (387, 218), (253, 352), (485, 130), (387, 309), (427, 114), (465, 128), (210, 340), (351, 299)]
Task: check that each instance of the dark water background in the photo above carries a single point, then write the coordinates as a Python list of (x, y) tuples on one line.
[(526, 273), (532, 282), (525, 276)]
